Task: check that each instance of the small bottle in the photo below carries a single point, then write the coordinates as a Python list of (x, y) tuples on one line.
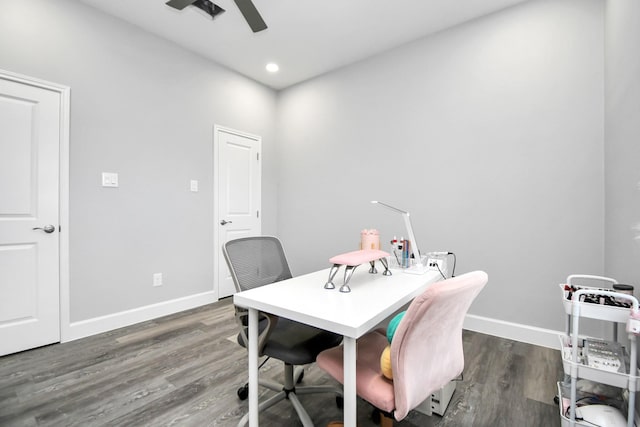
[(406, 260)]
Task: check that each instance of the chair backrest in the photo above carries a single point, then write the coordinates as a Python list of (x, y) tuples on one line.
[(256, 261), (426, 351)]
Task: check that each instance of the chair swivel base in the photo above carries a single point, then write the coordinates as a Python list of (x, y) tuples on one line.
[(290, 392)]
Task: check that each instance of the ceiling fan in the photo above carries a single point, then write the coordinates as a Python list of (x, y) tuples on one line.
[(249, 11)]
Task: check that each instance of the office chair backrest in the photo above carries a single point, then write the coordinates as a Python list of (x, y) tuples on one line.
[(256, 261), (426, 351)]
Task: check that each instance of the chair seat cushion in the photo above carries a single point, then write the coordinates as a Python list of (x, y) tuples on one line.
[(371, 385), (297, 344)]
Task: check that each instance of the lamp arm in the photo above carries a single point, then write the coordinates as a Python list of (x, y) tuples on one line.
[(412, 238), (407, 225)]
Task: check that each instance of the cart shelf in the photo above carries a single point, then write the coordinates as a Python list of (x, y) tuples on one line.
[(591, 310)]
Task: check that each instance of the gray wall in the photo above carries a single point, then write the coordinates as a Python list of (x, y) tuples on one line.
[(622, 137), (144, 108), (490, 134), (622, 148)]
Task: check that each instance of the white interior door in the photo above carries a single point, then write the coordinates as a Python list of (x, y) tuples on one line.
[(238, 173), (29, 216)]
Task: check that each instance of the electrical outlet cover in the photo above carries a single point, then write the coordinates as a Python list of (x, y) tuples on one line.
[(157, 279), (435, 264)]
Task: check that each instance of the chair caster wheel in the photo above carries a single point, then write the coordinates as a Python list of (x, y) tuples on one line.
[(375, 415), (340, 402), (243, 392)]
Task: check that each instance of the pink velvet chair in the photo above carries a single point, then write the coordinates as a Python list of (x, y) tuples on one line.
[(426, 351)]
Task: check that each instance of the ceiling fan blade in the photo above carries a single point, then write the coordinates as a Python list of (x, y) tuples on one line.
[(251, 15), (180, 4)]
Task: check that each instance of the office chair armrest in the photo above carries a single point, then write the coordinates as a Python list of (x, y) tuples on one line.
[(242, 319)]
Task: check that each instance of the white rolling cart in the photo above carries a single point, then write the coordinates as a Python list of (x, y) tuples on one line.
[(594, 359)]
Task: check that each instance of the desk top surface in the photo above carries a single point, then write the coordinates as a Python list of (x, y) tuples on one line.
[(372, 299)]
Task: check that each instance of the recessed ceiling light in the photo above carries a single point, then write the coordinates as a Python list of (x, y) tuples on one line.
[(272, 67)]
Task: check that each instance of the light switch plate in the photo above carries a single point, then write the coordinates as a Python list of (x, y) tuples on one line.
[(194, 185), (109, 179)]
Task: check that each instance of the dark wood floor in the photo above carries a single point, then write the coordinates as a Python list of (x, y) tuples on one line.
[(183, 370)]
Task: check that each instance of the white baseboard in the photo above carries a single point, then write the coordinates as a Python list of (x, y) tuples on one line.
[(513, 331), (97, 325)]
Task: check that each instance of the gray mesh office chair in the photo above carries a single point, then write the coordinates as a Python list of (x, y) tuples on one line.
[(258, 261)]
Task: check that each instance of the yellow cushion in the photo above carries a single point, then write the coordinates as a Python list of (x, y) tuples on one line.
[(385, 363)]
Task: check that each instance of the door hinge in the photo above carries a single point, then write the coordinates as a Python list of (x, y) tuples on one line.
[(257, 214), (258, 156)]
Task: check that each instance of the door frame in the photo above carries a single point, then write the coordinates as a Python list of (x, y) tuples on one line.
[(63, 191), (216, 195)]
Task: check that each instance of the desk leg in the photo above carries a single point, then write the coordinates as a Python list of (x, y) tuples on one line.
[(253, 367), (349, 355)]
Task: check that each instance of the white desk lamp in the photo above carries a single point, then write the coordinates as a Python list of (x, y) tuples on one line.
[(419, 266)]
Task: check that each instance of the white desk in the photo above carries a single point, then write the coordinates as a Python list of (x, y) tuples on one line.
[(372, 299)]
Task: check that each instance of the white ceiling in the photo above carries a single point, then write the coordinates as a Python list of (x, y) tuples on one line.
[(305, 37)]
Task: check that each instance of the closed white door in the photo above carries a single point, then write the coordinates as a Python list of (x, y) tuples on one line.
[(29, 216), (238, 175)]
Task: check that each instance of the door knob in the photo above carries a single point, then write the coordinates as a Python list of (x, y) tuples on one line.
[(225, 222), (47, 228)]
